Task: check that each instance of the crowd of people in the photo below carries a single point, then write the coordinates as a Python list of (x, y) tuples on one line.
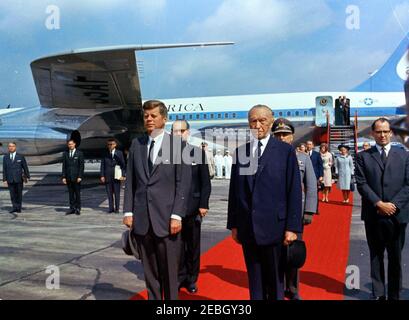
[(273, 194), (330, 169)]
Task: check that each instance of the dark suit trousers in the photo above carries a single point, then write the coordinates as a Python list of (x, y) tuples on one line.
[(379, 238), (16, 194), (265, 271), (113, 189), (190, 258), (160, 259), (74, 191)]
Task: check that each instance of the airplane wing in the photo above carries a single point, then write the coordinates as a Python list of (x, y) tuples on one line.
[(103, 77)]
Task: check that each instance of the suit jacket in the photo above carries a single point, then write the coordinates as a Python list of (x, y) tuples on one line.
[(13, 170), (388, 183), (317, 164), (265, 205), (200, 187), (73, 168), (108, 164), (157, 196)]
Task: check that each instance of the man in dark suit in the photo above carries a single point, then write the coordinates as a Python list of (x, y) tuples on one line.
[(72, 175), (112, 158), (316, 161), (156, 195), (15, 172), (265, 204), (198, 205), (382, 177)]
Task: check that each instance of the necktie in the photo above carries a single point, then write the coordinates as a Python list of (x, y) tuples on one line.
[(12, 157), (259, 145), (71, 154), (383, 156), (113, 154), (150, 156)]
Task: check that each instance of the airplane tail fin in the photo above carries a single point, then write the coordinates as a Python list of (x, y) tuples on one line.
[(392, 75)]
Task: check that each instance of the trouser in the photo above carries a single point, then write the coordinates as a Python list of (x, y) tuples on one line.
[(219, 171), (190, 258), (16, 194), (160, 259), (380, 236), (292, 278), (113, 189), (265, 271), (74, 191)]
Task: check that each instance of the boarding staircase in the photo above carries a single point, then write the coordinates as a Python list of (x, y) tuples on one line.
[(343, 134)]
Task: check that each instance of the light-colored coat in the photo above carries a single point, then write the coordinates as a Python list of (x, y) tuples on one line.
[(308, 183), (345, 168)]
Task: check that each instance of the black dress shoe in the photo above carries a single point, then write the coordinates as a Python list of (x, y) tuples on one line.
[(116, 211), (381, 298), (192, 288), (77, 212), (13, 210), (70, 212), (18, 211), (110, 211)]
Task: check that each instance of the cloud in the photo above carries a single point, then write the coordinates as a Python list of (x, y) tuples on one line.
[(262, 20), (17, 16)]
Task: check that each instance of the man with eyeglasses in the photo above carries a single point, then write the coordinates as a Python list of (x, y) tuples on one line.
[(198, 205), (382, 177)]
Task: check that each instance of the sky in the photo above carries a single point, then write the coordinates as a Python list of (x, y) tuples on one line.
[(280, 45)]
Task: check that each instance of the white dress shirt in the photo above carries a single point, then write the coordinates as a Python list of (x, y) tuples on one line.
[(387, 148), (13, 156), (71, 153), (113, 153), (263, 141), (156, 147)]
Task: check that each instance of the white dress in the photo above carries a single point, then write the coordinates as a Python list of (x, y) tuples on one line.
[(327, 163)]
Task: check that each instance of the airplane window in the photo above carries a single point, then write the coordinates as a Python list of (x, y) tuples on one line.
[(219, 116), (297, 113), (280, 114), (273, 113), (288, 113), (205, 116), (198, 116), (305, 113), (226, 115), (233, 115), (190, 117), (211, 116)]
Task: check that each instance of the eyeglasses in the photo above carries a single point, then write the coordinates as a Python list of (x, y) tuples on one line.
[(382, 131)]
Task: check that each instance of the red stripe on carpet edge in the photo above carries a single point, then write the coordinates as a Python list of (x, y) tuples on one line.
[(223, 273)]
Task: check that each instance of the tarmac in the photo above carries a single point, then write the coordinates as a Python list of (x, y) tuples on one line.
[(87, 248)]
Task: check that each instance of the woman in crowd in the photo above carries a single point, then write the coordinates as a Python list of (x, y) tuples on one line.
[(344, 166), (302, 148), (327, 162)]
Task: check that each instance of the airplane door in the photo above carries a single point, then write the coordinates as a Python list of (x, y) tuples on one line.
[(323, 105)]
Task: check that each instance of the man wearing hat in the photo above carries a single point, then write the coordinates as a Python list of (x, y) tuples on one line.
[(283, 130), (265, 204)]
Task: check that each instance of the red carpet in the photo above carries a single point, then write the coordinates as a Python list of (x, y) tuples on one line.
[(223, 273)]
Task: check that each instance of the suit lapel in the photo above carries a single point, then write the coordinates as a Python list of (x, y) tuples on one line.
[(166, 141), (266, 155), (144, 149), (375, 154), (391, 154)]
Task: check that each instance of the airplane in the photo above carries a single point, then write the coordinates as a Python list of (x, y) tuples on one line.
[(90, 94)]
